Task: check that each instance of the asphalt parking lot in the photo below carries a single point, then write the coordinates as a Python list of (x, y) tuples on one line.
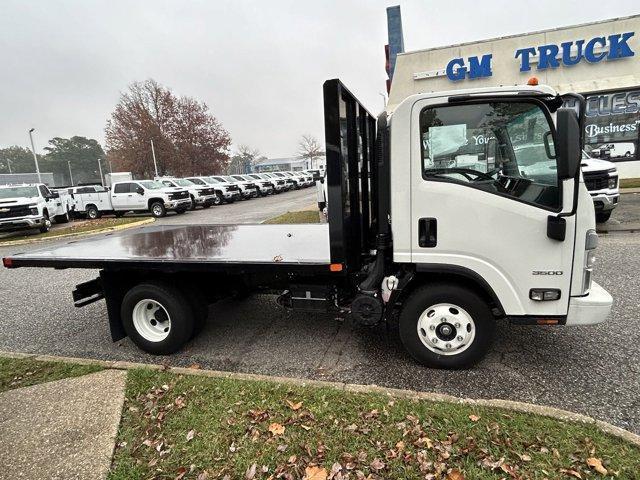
[(592, 370)]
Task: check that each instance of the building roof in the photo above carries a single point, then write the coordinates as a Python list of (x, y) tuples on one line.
[(280, 161)]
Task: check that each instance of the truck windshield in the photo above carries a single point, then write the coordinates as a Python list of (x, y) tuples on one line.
[(151, 185), (503, 147), (13, 192), (183, 182), (197, 181), (213, 180)]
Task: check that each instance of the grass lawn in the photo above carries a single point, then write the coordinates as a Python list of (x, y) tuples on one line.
[(21, 372), (630, 183), (78, 226), (204, 428), (302, 216)]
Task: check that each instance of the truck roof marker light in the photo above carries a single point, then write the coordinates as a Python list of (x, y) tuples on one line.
[(335, 267), (533, 81)]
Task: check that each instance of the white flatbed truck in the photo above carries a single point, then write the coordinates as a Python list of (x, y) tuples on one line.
[(446, 250)]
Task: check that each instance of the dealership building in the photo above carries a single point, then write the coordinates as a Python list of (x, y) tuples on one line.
[(599, 60)]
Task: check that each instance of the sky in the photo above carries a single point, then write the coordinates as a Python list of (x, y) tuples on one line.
[(259, 65)]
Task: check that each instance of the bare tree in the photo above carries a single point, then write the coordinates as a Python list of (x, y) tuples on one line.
[(310, 148), (187, 137), (244, 159)]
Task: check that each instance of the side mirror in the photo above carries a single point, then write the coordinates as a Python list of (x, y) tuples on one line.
[(569, 148), (140, 191)]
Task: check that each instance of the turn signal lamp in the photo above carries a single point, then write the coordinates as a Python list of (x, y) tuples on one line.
[(533, 81)]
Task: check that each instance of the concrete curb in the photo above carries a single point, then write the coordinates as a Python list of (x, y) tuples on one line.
[(521, 407), (125, 226)]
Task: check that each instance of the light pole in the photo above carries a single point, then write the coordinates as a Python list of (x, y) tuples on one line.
[(153, 152), (35, 157), (70, 174), (8, 164)]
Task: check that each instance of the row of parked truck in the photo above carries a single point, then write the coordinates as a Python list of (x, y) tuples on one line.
[(35, 206)]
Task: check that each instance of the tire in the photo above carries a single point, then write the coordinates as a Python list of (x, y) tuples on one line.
[(602, 217), (206, 205), (427, 306), (218, 199), (158, 210), (93, 213), (119, 214), (46, 223), (193, 203), (231, 199), (164, 335), (627, 154), (180, 211)]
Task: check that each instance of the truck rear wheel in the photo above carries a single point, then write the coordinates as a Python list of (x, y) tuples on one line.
[(157, 317), (446, 326), (602, 217), (93, 212)]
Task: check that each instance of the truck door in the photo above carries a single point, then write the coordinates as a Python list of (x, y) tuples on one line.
[(483, 184), (122, 196)]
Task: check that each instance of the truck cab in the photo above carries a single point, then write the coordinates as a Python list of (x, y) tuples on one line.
[(148, 196), (32, 206), (201, 196)]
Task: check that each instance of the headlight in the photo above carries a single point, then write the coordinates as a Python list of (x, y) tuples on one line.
[(613, 182), (33, 210)]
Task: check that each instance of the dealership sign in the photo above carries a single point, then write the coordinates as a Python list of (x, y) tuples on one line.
[(595, 50)]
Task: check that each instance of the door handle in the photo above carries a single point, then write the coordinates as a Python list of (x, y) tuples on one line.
[(427, 232)]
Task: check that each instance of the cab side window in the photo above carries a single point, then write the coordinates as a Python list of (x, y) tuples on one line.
[(505, 148), (122, 188)]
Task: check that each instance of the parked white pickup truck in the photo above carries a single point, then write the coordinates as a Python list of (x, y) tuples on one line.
[(201, 196), (148, 196), (601, 180), (30, 206), (90, 201)]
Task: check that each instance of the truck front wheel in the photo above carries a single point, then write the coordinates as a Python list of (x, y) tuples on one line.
[(157, 317), (46, 223), (446, 326), (602, 217), (158, 210)]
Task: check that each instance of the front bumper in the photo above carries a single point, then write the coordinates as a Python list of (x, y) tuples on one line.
[(204, 200), (231, 194), (604, 201), (591, 309), (177, 204), (18, 223)]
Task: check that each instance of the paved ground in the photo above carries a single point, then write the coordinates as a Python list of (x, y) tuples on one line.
[(591, 370), (61, 430), (626, 215)]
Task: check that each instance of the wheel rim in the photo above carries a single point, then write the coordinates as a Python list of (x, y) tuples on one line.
[(446, 329), (217, 200), (93, 213), (151, 320), (157, 210)]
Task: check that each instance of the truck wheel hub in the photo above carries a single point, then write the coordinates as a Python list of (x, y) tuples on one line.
[(446, 329), (151, 320)]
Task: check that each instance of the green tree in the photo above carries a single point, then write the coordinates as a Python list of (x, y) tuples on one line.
[(81, 154), (16, 159)]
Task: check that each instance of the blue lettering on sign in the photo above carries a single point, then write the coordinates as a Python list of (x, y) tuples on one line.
[(548, 56), (478, 68)]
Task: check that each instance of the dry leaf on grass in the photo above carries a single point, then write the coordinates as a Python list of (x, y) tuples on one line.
[(524, 457), (377, 464), (251, 472), (455, 474), (572, 473), (474, 418), (190, 435), (276, 429), (596, 464), (194, 366), (294, 406), (315, 473)]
